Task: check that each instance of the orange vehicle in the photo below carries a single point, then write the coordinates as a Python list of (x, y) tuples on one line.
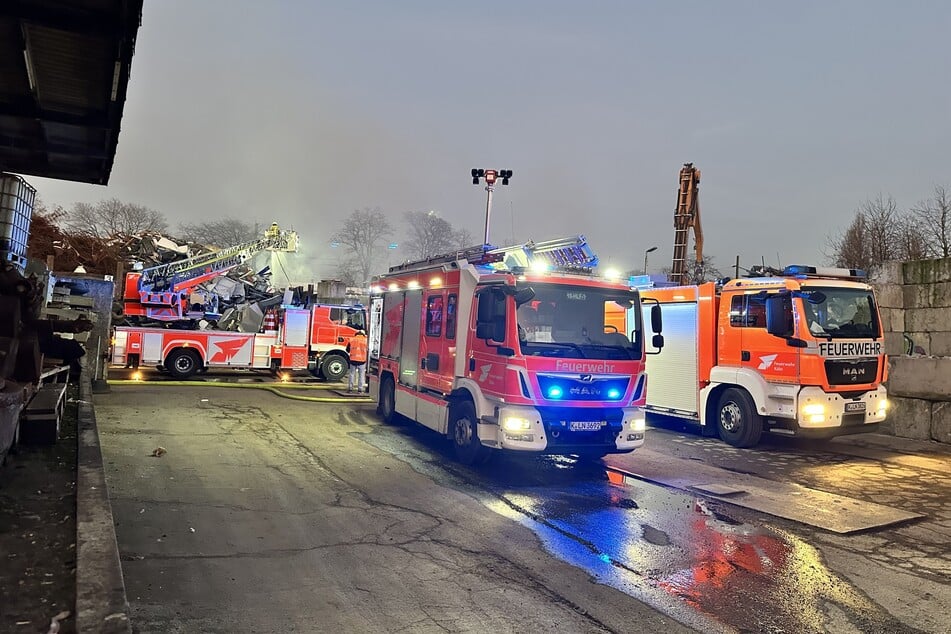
[(799, 353), (520, 349), (313, 339)]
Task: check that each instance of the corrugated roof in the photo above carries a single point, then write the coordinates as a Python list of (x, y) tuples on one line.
[(64, 70)]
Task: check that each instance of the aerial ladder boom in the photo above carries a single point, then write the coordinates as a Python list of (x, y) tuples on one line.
[(686, 217), (159, 292), (571, 253)]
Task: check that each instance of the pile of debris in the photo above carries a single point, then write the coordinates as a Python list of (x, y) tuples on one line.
[(235, 300)]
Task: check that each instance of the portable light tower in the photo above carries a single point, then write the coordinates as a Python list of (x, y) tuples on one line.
[(491, 177)]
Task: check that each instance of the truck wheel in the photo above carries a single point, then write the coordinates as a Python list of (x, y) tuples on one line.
[(463, 429), (387, 405), (737, 421), (182, 363), (334, 367)]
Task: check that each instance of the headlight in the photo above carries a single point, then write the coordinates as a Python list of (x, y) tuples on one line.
[(814, 412), (516, 423), (638, 424), (814, 409), (883, 405)]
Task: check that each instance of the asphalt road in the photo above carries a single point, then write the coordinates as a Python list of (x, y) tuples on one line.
[(265, 514)]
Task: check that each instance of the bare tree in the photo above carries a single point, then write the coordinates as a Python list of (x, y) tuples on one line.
[(934, 216), (879, 232), (365, 233), (429, 234), (850, 249), (220, 233), (696, 272), (113, 218), (912, 239), (462, 239)]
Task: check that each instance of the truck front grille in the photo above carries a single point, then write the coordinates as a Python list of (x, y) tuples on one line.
[(851, 371)]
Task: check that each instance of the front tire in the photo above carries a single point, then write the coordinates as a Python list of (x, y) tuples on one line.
[(182, 363), (334, 367), (464, 431), (737, 421)]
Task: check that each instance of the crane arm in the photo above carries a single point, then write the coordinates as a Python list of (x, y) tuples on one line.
[(686, 217)]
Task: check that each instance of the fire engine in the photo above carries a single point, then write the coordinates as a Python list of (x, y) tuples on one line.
[(519, 348), (171, 300), (313, 339), (799, 352)]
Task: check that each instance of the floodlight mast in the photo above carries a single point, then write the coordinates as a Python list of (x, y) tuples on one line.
[(490, 176)]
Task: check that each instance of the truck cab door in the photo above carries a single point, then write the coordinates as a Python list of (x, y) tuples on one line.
[(769, 355)]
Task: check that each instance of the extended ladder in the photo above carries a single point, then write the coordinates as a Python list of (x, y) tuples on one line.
[(171, 276)]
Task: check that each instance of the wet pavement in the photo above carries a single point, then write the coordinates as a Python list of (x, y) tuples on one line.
[(710, 565)]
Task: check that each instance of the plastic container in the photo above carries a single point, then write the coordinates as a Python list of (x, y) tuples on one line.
[(16, 211)]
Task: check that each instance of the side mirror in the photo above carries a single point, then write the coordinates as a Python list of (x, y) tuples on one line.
[(524, 295), (657, 320), (778, 316), (657, 341)]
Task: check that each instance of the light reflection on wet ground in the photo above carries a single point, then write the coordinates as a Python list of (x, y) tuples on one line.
[(685, 556)]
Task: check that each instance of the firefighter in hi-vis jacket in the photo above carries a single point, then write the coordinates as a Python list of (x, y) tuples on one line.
[(357, 376)]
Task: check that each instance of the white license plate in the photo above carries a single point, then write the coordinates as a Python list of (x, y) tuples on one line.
[(855, 407), (586, 425)]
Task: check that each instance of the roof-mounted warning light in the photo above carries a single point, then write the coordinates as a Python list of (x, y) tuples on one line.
[(803, 271)]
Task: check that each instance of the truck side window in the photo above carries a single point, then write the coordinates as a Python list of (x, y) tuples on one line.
[(755, 312), (451, 317), (434, 316), (748, 311), (737, 311)]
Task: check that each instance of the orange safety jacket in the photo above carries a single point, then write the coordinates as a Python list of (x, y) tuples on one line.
[(358, 349)]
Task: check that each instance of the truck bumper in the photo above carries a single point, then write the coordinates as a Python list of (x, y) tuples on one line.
[(524, 429), (831, 412)]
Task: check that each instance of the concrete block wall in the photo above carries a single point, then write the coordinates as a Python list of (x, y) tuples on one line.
[(915, 301)]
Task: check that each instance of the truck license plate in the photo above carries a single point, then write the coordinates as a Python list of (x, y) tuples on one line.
[(586, 425), (855, 407)]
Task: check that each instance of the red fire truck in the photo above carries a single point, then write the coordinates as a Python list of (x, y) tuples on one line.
[(519, 348), (168, 303), (313, 339)]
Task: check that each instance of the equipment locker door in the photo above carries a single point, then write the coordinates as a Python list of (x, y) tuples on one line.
[(409, 352)]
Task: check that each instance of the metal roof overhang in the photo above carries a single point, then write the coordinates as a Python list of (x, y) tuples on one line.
[(64, 70)]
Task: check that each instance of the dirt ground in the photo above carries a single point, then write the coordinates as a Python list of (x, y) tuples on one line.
[(38, 533)]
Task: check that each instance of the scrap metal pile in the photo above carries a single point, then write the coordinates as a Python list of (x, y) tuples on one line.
[(234, 298)]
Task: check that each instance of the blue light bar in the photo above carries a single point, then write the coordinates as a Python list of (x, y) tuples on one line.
[(802, 271)]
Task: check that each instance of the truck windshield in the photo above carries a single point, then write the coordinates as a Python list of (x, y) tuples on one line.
[(579, 322), (840, 313)]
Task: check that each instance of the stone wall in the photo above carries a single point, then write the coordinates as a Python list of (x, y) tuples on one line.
[(915, 301)]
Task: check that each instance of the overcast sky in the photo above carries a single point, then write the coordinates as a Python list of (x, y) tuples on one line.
[(301, 112)]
